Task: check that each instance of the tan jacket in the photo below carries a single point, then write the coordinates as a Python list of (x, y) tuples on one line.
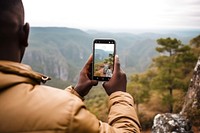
[(27, 106)]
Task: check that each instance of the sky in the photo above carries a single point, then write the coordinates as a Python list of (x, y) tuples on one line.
[(114, 14), (105, 47)]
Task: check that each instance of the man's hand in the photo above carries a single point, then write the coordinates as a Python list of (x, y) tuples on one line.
[(85, 83), (118, 81)]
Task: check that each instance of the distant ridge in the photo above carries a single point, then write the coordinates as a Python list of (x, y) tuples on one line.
[(61, 52)]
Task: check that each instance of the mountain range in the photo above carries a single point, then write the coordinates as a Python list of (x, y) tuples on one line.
[(61, 52)]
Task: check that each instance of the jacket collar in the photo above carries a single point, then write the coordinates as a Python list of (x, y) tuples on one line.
[(13, 73)]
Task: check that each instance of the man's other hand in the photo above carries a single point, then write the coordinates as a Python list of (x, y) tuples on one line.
[(85, 83), (118, 81)]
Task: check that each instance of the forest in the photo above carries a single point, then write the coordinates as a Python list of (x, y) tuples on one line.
[(158, 66)]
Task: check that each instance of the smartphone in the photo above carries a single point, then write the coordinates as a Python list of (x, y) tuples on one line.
[(103, 59)]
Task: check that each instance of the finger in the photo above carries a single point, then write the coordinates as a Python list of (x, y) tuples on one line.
[(103, 84), (117, 64)]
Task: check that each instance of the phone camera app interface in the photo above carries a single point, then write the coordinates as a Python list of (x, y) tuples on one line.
[(104, 60)]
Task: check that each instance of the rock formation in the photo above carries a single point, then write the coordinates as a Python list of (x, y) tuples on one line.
[(191, 107), (190, 114), (168, 123)]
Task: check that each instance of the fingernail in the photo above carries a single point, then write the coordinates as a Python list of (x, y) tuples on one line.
[(103, 84), (117, 58)]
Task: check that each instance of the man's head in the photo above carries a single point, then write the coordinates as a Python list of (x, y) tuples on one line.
[(13, 32)]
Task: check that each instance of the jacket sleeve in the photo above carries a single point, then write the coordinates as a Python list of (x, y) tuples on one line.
[(122, 117)]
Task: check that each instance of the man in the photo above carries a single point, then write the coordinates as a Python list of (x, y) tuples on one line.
[(27, 106)]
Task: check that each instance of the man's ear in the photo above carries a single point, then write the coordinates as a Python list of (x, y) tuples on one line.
[(24, 39), (24, 35)]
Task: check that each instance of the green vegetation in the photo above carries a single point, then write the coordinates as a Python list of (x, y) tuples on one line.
[(165, 83), (172, 67)]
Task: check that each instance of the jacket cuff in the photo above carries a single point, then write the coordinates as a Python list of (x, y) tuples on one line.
[(71, 90), (118, 97)]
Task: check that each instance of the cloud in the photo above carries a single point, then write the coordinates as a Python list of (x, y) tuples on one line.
[(113, 13)]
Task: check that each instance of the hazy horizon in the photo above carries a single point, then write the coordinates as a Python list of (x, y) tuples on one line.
[(114, 15), (182, 31)]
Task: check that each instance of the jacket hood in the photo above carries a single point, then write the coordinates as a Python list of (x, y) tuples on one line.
[(12, 73)]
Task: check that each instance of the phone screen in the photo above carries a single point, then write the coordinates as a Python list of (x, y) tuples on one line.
[(103, 59)]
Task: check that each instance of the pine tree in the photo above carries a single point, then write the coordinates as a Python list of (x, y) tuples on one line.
[(173, 64)]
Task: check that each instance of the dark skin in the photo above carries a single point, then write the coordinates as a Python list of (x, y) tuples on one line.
[(116, 83), (15, 40), (15, 35)]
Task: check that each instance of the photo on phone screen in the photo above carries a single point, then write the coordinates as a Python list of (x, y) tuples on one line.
[(103, 59)]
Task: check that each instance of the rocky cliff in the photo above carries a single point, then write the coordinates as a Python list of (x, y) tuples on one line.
[(191, 107), (190, 114)]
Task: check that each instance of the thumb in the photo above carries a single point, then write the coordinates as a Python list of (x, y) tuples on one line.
[(117, 64)]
